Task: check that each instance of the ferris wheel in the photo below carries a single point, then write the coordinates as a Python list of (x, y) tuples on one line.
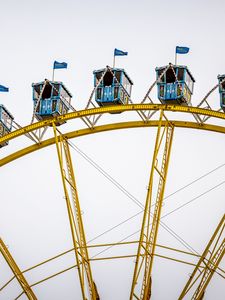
[(110, 108)]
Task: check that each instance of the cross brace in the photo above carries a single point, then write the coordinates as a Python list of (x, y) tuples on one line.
[(150, 222), (16, 271), (207, 264), (75, 218)]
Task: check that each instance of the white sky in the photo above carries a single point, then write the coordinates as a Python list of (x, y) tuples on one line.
[(33, 220)]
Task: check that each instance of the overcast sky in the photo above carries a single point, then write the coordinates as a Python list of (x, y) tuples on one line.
[(33, 217)]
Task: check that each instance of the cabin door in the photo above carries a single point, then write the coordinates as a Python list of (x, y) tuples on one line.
[(108, 95), (171, 91), (46, 108)]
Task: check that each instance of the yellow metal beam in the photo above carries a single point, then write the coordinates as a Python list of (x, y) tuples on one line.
[(110, 258), (150, 223), (151, 232), (108, 127), (105, 245), (16, 271), (112, 109), (75, 218), (102, 259), (209, 261)]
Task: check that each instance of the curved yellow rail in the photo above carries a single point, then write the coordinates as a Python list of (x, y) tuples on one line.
[(112, 126), (108, 127), (112, 109)]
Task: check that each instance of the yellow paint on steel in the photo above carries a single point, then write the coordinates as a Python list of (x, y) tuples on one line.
[(104, 245), (71, 215), (215, 249), (112, 109), (110, 258), (150, 222), (113, 126), (17, 272), (108, 127), (75, 217)]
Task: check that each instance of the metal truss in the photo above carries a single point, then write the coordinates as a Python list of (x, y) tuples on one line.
[(16, 271), (210, 259), (207, 264), (75, 218), (87, 113), (150, 223)]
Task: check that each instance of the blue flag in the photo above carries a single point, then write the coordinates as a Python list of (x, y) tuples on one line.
[(58, 65), (3, 88), (182, 50), (118, 52)]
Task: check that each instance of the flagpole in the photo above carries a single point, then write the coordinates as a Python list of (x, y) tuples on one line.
[(175, 58), (53, 74), (114, 60)]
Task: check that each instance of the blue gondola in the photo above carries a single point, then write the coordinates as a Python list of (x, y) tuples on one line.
[(114, 88), (221, 79), (6, 120), (175, 86), (51, 99)]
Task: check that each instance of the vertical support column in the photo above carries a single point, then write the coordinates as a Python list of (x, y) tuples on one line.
[(207, 264), (150, 222), (16, 271), (75, 218)]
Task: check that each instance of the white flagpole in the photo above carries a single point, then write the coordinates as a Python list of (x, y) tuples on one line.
[(114, 60), (175, 57), (53, 73)]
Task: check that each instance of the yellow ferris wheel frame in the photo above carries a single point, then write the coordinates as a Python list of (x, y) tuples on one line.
[(114, 126), (151, 219)]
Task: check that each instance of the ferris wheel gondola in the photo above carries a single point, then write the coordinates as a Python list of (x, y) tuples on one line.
[(6, 120), (221, 79), (175, 84), (113, 86), (51, 99)]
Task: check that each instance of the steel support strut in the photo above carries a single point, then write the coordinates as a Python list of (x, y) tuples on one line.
[(151, 216), (16, 271), (75, 218), (207, 264)]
